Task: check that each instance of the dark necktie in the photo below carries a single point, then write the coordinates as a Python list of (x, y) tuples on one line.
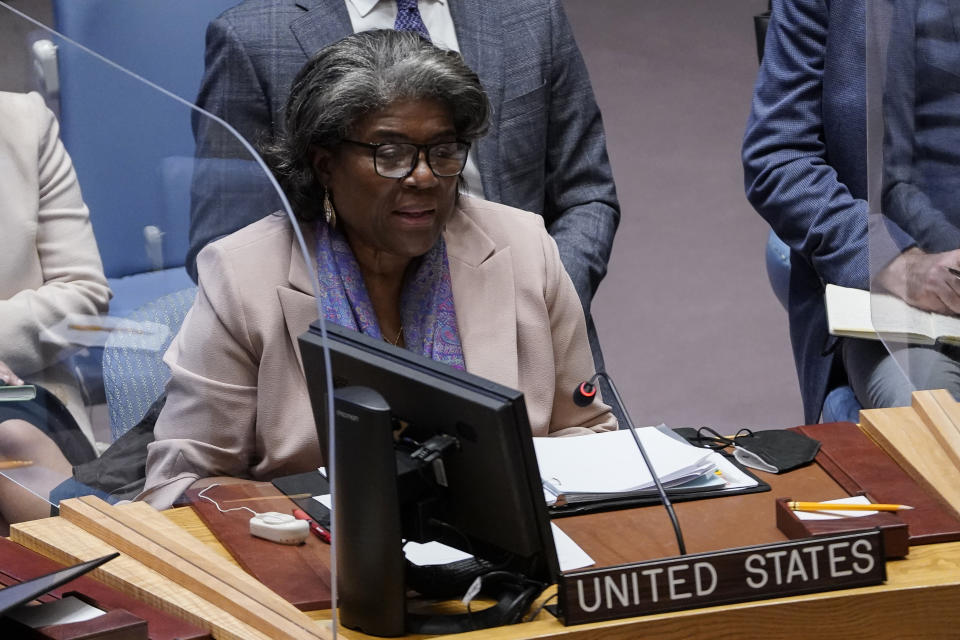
[(408, 18)]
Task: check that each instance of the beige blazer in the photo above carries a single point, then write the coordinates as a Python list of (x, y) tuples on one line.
[(237, 402), (49, 260)]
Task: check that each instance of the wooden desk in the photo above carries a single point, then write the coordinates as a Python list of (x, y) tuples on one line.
[(919, 600)]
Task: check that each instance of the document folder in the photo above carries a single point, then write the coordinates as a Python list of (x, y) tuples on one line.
[(647, 498), (857, 464)]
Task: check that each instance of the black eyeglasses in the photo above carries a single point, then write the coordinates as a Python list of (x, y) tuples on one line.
[(710, 439), (399, 159)]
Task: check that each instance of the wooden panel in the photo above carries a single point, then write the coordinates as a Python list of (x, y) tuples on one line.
[(906, 438), (298, 573), (940, 413), (138, 530), (67, 543), (18, 564)]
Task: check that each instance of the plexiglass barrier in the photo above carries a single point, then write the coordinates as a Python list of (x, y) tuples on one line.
[(118, 177), (178, 383), (913, 89)]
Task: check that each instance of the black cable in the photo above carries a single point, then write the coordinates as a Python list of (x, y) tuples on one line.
[(468, 544), (525, 588), (587, 391), (543, 604)]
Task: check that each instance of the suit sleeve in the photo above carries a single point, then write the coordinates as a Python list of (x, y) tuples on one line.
[(232, 91), (571, 353), (581, 207), (208, 424), (73, 279), (787, 176)]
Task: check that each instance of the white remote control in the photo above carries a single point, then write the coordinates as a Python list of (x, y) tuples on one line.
[(279, 527)]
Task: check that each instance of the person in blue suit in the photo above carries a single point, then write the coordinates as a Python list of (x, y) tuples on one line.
[(545, 152), (805, 172), (922, 117)]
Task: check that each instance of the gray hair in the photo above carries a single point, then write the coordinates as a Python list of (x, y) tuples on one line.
[(358, 75)]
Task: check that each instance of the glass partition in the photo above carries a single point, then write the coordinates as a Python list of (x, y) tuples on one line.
[(913, 89), (213, 375), (113, 340)]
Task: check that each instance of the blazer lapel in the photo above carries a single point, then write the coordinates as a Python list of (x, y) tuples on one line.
[(324, 22), (484, 296), (297, 302), (483, 293), (480, 38)]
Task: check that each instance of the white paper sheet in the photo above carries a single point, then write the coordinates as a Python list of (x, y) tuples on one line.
[(833, 515), (609, 462), (569, 553), (429, 553)]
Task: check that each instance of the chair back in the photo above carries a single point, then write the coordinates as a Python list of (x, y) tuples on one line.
[(118, 130), (134, 374)]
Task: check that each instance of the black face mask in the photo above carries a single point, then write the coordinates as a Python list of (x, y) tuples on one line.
[(776, 450), (773, 451)]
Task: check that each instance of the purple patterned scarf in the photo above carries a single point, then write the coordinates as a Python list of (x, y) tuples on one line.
[(426, 302)]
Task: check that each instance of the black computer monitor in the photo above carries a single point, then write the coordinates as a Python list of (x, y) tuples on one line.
[(492, 504)]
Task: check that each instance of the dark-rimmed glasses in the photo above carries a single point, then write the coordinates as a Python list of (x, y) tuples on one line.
[(399, 159), (710, 439)]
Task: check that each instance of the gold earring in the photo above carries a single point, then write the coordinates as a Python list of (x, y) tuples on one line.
[(328, 210)]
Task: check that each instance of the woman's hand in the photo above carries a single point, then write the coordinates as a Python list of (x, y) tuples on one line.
[(7, 376)]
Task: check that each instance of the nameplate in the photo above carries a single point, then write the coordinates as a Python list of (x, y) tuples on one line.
[(722, 577)]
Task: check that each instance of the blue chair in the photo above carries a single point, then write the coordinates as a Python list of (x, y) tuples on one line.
[(138, 197), (132, 145), (133, 369), (841, 404), (777, 257)]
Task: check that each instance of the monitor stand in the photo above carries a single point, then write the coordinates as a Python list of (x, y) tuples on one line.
[(367, 527)]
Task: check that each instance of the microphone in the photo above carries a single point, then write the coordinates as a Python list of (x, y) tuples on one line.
[(583, 395)]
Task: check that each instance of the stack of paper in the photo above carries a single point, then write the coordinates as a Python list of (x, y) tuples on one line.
[(608, 466)]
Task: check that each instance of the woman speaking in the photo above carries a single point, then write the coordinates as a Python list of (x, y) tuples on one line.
[(378, 129)]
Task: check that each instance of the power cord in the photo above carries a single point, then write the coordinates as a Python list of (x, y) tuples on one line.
[(533, 616)]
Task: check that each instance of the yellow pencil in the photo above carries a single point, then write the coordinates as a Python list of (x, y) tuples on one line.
[(13, 464), (97, 327), (840, 506)]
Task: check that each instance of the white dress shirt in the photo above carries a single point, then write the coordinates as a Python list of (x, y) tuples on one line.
[(381, 14)]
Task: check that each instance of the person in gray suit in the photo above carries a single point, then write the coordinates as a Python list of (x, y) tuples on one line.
[(545, 152)]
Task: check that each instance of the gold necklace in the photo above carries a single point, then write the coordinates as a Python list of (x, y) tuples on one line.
[(396, 341)]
